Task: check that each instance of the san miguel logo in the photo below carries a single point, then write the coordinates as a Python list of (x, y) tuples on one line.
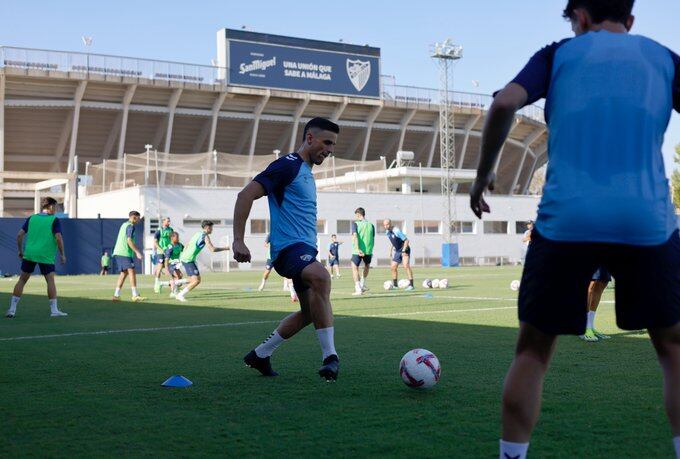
[(359, 72), (257, 64)]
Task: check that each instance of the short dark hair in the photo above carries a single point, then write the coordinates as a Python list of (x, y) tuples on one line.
[(334, 235), (134, 213), (47, 202), (360, 211), (205, 223), (601, 10), (320, 123)]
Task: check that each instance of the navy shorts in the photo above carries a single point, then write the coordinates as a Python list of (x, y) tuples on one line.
[(268, 264), (292, 260), (124, 263), (357, 259), (553, 294), (160, 258), (398, 256), (333, 261), (602, 275), (28, 266), (191, 269)]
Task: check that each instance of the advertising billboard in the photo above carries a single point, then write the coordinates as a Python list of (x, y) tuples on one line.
[(269, 61)]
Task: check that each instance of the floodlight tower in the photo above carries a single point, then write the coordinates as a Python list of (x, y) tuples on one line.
[(446, 54)]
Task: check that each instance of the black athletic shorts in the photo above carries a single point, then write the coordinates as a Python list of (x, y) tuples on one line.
[(553, 294), (28, 267), (292, 260), (357, 259)]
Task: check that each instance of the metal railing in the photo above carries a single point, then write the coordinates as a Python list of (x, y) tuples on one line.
[(169, 71)]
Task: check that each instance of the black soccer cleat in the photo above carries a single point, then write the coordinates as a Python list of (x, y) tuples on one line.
[(330, 368), (263, 365)]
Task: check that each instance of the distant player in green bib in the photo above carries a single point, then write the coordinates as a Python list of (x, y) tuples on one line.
[(161, 242), (363, 241), (173, 265), (190, 253), (123, 254), (42, 236), (105, 263)]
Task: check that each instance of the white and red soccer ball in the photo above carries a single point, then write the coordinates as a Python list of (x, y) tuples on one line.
[(420, 369)]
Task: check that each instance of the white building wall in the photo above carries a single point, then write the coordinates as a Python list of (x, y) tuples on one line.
[(186, 206)]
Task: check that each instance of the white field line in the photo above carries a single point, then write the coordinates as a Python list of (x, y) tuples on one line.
[(239, 324)]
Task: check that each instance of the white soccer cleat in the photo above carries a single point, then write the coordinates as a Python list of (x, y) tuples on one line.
[(358, 293), (180, 297), (409, 288), (260, 288), (58, 314)]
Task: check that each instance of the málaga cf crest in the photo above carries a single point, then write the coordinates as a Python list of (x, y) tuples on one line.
[(359, 72)]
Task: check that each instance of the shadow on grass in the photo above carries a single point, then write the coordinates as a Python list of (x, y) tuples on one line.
[(89, 394)]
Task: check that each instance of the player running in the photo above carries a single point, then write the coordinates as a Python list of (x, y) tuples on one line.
[(173, 265), (609, 99), (105, 263), (363, 239), (289, 185), (42, 233), (597, 285), (334, 256), (124, 253), (400, 252), (161, 242), (188, 256), (267, 264)]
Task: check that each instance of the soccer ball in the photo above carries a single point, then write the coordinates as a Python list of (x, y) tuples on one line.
[(514, 285), (420, 369), (427, 283), (403, 283), (443, 283), (387, 285), (435, 283)]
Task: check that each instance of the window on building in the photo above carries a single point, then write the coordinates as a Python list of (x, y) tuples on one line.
[(380, 229), (520, 227), (344, 226), (198, 221), (463, 228), (321, 227), (491, 227), (427, 227), (153, 225), (259, 226)]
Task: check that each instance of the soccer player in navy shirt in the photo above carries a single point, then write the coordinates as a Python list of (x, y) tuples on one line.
[(400, 253), (289, 186), (609, 96), (334, 256)]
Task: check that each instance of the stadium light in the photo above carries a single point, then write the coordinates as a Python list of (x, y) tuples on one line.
[(276, 152), (87, 41)]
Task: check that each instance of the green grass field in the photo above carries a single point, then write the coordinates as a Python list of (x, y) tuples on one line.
[(89, 384)]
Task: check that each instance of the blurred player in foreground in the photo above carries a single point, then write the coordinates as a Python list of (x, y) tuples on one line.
[(289, 186), (609, 97)]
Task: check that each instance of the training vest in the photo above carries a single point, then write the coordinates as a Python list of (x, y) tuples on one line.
[(122, 249), (191, 250), (105, 260), (41, 247), (176, 251), (365, 238), (164, 239)]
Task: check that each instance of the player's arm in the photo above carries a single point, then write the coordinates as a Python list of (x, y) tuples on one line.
[(499, 120), (156, 239), (355, 239), (130, 233), (56, 230), (20, 242), (244, 203), (212, 248)]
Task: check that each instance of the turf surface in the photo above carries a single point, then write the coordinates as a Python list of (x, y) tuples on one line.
[(89, 384)]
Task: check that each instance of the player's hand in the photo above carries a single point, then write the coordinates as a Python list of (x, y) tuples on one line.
[(21, 255), (63, 259), (361, 254), (241, 252), (477, 202), (138, 255)]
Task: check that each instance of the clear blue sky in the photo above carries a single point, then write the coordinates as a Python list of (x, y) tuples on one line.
[(498, 35)]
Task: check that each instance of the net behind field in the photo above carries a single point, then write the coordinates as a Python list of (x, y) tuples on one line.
[(209, 169)]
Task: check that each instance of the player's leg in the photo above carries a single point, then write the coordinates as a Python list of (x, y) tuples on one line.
[(133, 285), (337, 269), (356, 261), (19, 289), (160, 264), (523, 386), (194, 281), (667, 344), (595, 291), (265, 276), (50, 278), (406, 263), (394, 267), (367, 268), (119, 284)]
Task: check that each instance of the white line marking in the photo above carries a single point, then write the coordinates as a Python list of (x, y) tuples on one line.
[(238, 324)]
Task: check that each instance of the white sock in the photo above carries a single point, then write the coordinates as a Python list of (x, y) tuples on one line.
[(181, 282), (53, 305), (269, 345), (13, 304), (164, 283), (134, 291), (116, 293), (157, 281), (676, 443), (357, 286), (184, 291), (326, 339), (510, 450), (291, 288), (591, 319), (362, 282)]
